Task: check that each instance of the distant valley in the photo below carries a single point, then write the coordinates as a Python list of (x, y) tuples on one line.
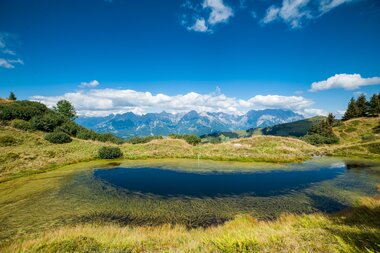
[(130, 124)]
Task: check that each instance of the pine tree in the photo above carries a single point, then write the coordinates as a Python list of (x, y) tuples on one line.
[(374, 105), (362, 105), (352, 110), (66, 109), (330, 119), (12, 96)]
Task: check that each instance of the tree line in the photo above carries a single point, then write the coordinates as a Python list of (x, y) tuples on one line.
[(57, 122), (360, 107)]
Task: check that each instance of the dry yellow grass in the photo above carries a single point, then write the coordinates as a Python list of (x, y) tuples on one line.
[(357, 139), (254, 149), (32, 153)]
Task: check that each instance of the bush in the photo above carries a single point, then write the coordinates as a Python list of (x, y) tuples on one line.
[(368, 137), (189, 138), (58, 138), (374, 148), (108, 137), (7, 140), (21, 124), (318, 139), (47, 122), (109, 152), (144, 139), (68, 127), (24, 110), (86, 134), (376, 129)]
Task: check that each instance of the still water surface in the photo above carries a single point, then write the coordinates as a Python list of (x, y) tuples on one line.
[(166, 182)]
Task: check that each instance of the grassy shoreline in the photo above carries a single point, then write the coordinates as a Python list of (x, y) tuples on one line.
[(30, 153), (354, 230)]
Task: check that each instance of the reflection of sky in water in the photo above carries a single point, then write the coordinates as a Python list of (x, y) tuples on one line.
[(328, 186), (174, 183)]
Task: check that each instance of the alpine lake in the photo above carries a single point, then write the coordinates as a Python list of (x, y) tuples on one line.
[(195, 193)]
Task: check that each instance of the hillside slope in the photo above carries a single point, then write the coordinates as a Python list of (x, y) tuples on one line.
[(357, 139), (297, 129), (23, 153)]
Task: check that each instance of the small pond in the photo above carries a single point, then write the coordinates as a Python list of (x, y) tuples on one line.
[(170, 183), (189, 192)]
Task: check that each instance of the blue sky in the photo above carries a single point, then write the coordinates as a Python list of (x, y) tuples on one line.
[(175, 55)]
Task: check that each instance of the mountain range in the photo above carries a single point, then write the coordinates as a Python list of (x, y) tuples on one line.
[(130, 124)]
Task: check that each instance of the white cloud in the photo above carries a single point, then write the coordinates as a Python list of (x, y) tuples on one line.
[(296, 12), (291, 12), (6, 64), (217, 12), (271, 15), (199, 26), (8, 51), (295, 103), (345, 81), (106, 101), (327, 5), (91, 84), (5, 61), (10, 63), (310, 112)]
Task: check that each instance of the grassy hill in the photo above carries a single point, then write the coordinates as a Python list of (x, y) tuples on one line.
[(357, 138), (296, 128), (27, 152)]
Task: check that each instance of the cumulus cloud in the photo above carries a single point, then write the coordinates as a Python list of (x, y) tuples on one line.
[(296, 12), (106, 101), (209, 14), (219, 11), (295, 103), (91, 84), (344, 81)]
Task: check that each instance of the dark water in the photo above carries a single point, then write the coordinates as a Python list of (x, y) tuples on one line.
[(215, 184)]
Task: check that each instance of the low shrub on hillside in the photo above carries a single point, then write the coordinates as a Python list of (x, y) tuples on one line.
[(7, 140), (108, 137), (376, 129), (368, 137), (47, 122), (86, 134), (189, 138), (318, 139), (109, 152), (22, 125), (374, 148), (68, 127), (58, 138), (143, 139), (24, 110)]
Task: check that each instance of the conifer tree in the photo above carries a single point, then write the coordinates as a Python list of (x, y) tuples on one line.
[(352, 110), (374, 105), (65, 108), (362, 105), (330, 119), (12, 96)]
